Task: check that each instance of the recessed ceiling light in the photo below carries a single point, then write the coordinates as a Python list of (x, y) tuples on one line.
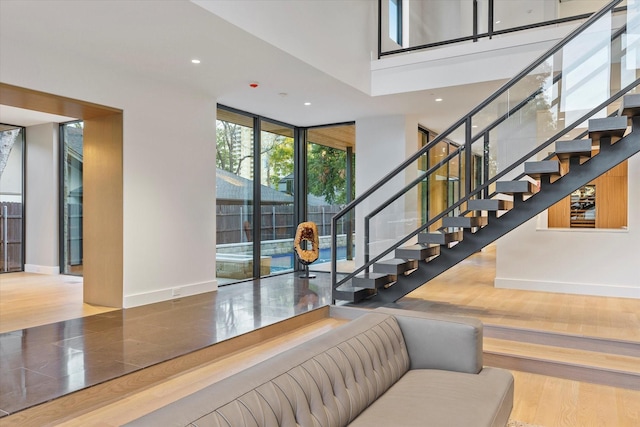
[(307, 103), (438, 99), (195, 61), (497, 22), (474, 126)]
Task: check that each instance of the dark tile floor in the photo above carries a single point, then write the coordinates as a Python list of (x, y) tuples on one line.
[(45, 362)]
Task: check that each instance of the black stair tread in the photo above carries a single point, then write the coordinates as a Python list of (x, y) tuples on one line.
[(441, 238), (370, 275), (395, 266), (418, 251), (515, 187), (542, 168), (464, 221), (372, 280), (608, 126), (393, 261), (573, 148), (489, 205), (352, 293), (630, 105)]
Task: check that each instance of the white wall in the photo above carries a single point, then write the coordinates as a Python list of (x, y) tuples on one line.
[(382, 143), (41, 200), (169, 166), (591, 262)]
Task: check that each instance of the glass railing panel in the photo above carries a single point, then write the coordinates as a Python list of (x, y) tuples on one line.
[(416, 23), (490, 114), (630, 45), (427, 26), (509, 14), (394, 222), (437, 184), (429, 23), (557, 95)]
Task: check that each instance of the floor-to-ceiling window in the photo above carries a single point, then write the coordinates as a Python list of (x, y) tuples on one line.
[(271, 176), (71, 138), (235, 141), (330, 185), (12, 147), (277, 216), (443, 189)]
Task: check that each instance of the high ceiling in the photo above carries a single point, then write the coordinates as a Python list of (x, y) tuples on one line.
[(159, 42)]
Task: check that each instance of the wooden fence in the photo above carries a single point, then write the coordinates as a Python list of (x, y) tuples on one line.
[(10, 236), (234, 222)]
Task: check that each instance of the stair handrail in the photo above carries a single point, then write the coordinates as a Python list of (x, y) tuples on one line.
[(468, 197), (465, 119)]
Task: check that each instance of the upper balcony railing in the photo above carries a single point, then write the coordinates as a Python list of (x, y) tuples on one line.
[(582, 77), (411, 25)]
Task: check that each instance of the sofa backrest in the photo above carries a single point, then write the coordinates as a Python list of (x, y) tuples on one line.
[(326, 381)]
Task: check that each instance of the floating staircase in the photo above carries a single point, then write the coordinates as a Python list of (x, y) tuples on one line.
[(404, 250), (486, 220)]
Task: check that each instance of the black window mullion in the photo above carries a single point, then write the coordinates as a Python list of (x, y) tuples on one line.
[(257, 197)]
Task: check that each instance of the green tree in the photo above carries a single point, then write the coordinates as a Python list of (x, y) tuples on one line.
[(326, 166), (230, 152), (326, 174), (279, 150)]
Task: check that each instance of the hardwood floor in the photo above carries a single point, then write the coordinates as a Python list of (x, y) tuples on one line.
[(465, 290), (28, 300), (556, 402)]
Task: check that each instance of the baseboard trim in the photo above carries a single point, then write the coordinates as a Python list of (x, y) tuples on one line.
[(167, 294), (41, 269), (569, 288)]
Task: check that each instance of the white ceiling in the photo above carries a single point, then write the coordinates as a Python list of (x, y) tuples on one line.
[(159, 39), (22, 117)]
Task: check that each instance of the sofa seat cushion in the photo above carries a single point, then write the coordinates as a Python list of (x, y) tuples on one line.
[(443, 398)]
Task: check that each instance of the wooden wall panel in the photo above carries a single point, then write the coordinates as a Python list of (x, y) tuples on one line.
[(611, 201), (621, 170), (28, 99), (103, 211), (560, 214)]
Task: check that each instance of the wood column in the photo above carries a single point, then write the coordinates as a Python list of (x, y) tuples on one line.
[(102, 187), (102, 211)]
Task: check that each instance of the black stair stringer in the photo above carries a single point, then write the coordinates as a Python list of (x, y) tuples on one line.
[(579, 175)]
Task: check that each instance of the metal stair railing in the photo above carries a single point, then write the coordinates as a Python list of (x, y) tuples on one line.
[(466, 123), (483, 187)]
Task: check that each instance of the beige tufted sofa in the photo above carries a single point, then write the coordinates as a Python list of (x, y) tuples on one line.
[(386, 368)]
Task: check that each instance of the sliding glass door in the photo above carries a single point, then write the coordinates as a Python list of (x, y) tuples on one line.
[(330, 185), (277, 216), (235, 220), (12, 149), (71, 135)]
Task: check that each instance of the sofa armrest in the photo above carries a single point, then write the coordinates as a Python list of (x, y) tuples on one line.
[(440, 342)]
